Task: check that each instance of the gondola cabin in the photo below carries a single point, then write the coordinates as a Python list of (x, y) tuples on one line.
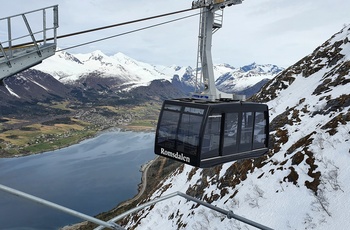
[(205, 133)]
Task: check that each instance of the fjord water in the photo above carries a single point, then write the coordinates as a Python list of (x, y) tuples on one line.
[(90, 177)]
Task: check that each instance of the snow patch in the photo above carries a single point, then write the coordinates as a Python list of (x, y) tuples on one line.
[(11, 91)]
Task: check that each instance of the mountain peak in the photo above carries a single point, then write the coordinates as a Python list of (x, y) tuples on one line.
[(124, 59), (249, 67), (97, 55), (67, 56), (260, 68), (120, 55)]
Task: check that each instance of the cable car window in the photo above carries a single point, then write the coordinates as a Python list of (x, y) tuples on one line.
[(230, 133), (168, 128), (211, 138), (259, 130), (188, 133), (246, 131)]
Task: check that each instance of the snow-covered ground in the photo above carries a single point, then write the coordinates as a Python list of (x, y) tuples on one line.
[(304, 184)]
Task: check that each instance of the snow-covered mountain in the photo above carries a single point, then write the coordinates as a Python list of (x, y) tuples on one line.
[(127, 72), (304, 181), (95, 77), (70, 68), (92, 78), (246, 80)]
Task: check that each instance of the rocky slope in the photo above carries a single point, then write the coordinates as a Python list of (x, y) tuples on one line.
[(302, 183)]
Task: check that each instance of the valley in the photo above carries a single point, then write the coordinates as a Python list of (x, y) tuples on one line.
[(37, 134), (69, 98)]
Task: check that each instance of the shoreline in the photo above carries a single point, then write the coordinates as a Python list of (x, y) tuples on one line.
[(136, 129), (141, 189), (143, 169), (141, 186)]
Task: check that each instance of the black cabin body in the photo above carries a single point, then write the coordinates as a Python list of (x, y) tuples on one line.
[(205, 133)]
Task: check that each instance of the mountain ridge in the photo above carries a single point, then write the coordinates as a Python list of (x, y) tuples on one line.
[(92, 77), (129, 70), (302, 182)]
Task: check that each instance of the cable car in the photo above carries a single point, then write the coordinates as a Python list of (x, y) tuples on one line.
[(205, 133), (211, 128)]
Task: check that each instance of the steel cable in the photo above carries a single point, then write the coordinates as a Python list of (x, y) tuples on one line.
[(128, 32)]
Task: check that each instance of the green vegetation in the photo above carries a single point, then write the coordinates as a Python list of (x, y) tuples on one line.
[(74, 138), (144, 123), (22, 137), (38, 138), (57, 105)]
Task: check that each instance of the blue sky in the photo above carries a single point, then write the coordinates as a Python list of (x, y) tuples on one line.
[(277, 32)]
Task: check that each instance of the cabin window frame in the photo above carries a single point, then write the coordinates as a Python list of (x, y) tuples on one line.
[(206, 137), (230, 149), (246, 124), (263, 131), (245, 119), (167, 134), (196, 135), (195, 111)]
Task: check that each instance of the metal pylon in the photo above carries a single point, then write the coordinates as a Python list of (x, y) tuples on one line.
[(198, 76), (211, 19), (217, 24)]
